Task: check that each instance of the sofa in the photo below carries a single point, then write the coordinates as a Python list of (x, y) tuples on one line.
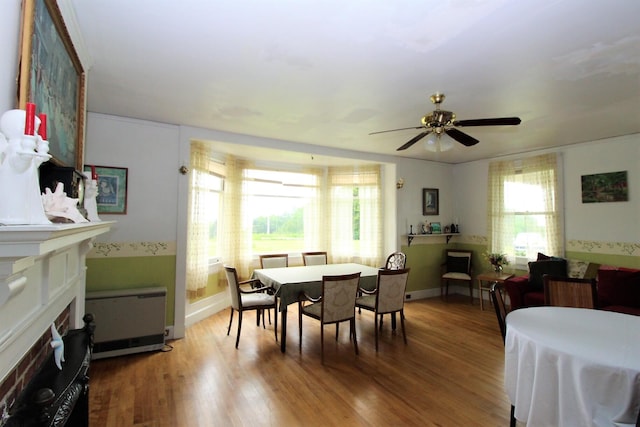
[(618, 288)]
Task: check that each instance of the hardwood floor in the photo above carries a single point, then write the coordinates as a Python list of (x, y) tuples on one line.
[(449, 374)]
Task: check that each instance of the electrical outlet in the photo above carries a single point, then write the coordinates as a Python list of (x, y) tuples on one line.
[(408, 296)]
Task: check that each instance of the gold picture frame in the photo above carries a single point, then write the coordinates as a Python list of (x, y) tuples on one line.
[(51, 76)]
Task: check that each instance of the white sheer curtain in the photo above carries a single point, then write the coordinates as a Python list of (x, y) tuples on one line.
[(342, 246), (533, 173), (316, 214), (198, 223), (237, 227)]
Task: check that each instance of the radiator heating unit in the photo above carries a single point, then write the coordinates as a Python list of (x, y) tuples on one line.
[(127, 321)]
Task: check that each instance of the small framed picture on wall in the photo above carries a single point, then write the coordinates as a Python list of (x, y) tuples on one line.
[(430, 201), (112, 188)]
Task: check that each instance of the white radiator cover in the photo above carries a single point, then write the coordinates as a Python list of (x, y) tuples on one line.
[(127, 321)]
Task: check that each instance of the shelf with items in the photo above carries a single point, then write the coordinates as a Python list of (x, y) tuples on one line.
[(448, 236)]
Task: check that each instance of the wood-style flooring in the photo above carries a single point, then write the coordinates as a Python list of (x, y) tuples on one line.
[(449, 374)]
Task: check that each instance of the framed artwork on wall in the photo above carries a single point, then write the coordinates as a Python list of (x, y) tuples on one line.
[(430, 201), (112, 189), (51, 76), (605, 187)]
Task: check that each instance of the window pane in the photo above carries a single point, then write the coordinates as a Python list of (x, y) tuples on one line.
[(277, 203)]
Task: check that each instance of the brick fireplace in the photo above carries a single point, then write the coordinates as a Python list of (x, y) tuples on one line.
[(42, 281)]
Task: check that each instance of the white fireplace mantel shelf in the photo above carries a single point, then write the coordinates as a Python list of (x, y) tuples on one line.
[(42, 271)]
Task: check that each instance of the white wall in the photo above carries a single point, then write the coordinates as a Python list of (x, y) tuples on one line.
[(150, 152), (608, 222), (419, 174), (604, 222)]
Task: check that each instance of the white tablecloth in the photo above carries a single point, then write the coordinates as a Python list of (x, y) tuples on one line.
[(289, 281), (573, 367)]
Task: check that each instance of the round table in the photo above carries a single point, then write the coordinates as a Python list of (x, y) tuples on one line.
[(573, 366)]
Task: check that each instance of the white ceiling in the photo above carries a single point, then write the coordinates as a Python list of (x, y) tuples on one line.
[(329, 72)]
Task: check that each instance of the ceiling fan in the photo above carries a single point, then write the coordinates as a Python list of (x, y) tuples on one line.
[(441, 121)]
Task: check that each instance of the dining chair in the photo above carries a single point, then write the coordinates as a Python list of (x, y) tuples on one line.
[(314, 258), (274, 260), (248, 299), (496, 291), (569, 292), (396, 261), (457, 267), (387, 298), (336, 304)]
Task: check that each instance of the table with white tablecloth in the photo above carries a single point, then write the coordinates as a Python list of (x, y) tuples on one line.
[(290, 281), (573, 366)]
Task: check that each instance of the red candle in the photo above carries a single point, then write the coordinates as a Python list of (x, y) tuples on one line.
[(42, 130), (30, 119), (94, 175)]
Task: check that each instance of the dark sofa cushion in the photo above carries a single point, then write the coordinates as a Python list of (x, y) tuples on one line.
[(618, 287), (554, 267)]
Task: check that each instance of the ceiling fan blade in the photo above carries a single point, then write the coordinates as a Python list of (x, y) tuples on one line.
[(462, 137), (414, 140), (393, 130), (501, 121)]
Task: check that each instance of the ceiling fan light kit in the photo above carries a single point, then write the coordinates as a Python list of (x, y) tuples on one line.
[(437, 144), (440, 122)]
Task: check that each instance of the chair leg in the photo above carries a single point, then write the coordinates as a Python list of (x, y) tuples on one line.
[(300, 325), (239, 327), (337, 330), (404, 333), (321, 343), (275, 322), (512, 417), (230, 320), (375, 327), (353, 333)]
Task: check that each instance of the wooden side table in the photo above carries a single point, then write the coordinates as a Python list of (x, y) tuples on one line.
[(485, 280)]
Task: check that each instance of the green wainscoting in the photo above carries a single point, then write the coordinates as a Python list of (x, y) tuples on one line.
[(425, 261), (116, 273)]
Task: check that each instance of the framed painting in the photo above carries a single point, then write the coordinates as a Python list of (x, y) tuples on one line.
[(51, 76), (430, 201), (112, 189), (605, 187)]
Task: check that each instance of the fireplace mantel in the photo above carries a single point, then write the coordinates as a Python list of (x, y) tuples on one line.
[(42, 271)]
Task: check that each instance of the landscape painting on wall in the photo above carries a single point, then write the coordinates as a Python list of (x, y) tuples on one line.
[(605, 187)]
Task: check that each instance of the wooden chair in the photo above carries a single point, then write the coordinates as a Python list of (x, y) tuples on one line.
[(314, 258), (457, 267), (387, 297), (396, 261), (274, 261), (336, 304), (248, 299), (569, 292), (495, 292)]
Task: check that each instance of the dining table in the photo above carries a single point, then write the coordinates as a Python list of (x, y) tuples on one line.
[(569, 366), (288, 282)]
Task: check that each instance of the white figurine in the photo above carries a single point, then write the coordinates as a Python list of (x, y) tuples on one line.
[(58, 205), (90, 193), (20, 157), (58, 346)]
